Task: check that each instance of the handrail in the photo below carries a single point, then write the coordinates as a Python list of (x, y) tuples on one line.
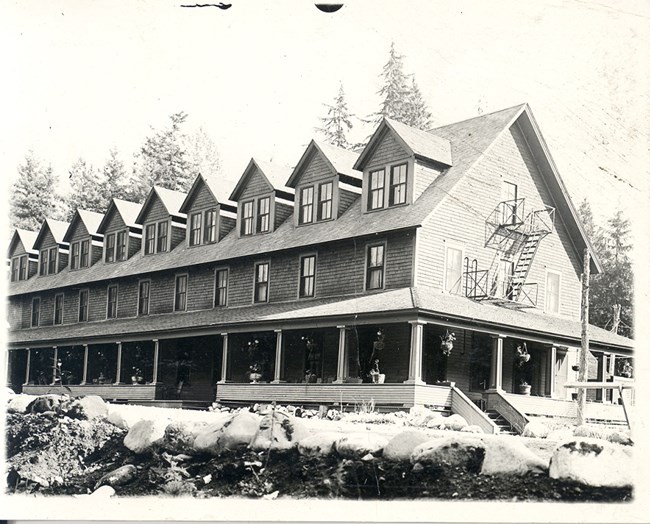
[(462, 405), (500, 404)]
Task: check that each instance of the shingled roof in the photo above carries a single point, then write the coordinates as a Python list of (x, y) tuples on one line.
[(56, 227), (215, 188), (26, 238), (172, 200), (340, 161), (90, 220)]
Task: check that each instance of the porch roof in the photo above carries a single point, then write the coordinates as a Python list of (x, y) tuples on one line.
[(427, 302)]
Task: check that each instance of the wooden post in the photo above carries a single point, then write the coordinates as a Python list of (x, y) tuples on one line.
[(617, 318), (551, 356), (341, 364), (55, 361), (277, 370), (85, 371), (496, 363), (118, 372), (584, 339), (156, 353), (224, 358), (29, 364), (415, 360)]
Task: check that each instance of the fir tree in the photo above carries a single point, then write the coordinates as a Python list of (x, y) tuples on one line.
[(202, 154), (395, 89), (417, 112), (116, 182), (33, 196), (87, 189), (337, 124)]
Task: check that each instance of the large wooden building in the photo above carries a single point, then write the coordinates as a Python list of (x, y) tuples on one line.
[(338, 281)]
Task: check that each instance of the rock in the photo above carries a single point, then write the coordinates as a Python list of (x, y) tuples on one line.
[(560, 434), (118, 476), (19, 403), (278, 431), (535, 429), (450, 452), (509, 455), (619, 437), (116, 418), (103, 492), (454, 422), (145, 434), (591, 431), (402, 445), (472, 429), (180, 435), (356, 445), (233, 432), (207, 440), (89, 407), (419, 415), (594, 462), (47, 403), (318, 444)]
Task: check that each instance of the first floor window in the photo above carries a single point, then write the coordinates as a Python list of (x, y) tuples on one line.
[(51, 268), (306, 205), (376, 192), (552, 293), (221, 287), (397, 185), (36, 311), (143, 297), (180, 297), (247, 218), (262, 282), (85, 254), (83, 305), (162, 237), (111, 308), (375, 267), (453, 270), (43, 266), (110, 248), (195, 229), (22, 275), (210, 226), (307, 276), (58, 309), (120, 247), (325, 201), (264, 215), (150, 239), (74, 256)]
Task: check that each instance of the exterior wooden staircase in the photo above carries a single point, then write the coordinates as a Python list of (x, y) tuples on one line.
[(504, 426)]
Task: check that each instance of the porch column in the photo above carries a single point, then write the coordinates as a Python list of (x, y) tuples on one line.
[(496, 364), (277, 371), (415, 361), (55, 361), (551, 359), (85, 371), (342, 362), (224, 358), (29, 364), (603, 377), (118, 373), (156, 353)]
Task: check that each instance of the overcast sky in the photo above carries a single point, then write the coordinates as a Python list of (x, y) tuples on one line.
[(82, 77)]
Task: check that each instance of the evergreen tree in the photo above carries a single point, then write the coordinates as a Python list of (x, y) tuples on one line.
[(202, 154), (87, 189), (417, 112), (395, 89), (33, 196), (337, 124), (116, 182)]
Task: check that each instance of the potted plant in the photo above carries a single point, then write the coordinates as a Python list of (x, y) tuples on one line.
[(136, 377), (447, 342), (524, 388), (310, 377), (255, 369), (521, 354), (254, 372), (376, 376)]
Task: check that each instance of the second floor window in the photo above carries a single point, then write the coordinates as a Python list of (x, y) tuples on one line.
[(85, 254), (261, 292), (397, 185), (453, 270), (83, 305), (111, 306), (120, 247), (161, 246), (58, 309), (110, 248), (263, 215), (247, 218), (306, 205), (36, 311), (180, 296), (210, 226), (195, 229), (376, 192), (143, 297), (221, 287), (325, 201), (552, 293), (375, 267), (150, 239), (307, 276), (74, 256)]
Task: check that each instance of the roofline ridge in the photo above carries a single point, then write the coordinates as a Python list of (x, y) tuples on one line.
[(520, 106)]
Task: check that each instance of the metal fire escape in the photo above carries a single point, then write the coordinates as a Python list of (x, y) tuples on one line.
[(515, 236)]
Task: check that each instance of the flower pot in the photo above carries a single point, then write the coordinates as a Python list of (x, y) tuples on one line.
[(254, 377), (524, 389)]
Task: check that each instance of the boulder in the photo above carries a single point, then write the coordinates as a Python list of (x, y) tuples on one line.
[(318, 444), (535, 429), (118, 476), (454, 422), (103, 492), (207, 440), (591, 431), (402, 445), (620, 437), (145, 434), (89, 407), (278, 431), (509, 455), (560, 434), (233, 432), (356, 445), (450, 452), (594, 462), (19, 403), (116, 418), (419, 415), (180, 435)]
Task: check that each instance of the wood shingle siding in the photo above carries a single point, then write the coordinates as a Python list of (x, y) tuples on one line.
[(226, 225), (115, 222), (134, 244), (156, 210), (423, 178), (256, 186), (388, 150), (178, 235), (346, 198), (200, 290), (201, 199), (317, 170), (282, 212)]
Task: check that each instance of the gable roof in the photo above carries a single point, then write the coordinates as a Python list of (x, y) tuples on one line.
[(275, 175), (90, 220), (340, 160), (214, 187), (56, 227), (26, 238), (422, 144), (128, 211), (171, 200)]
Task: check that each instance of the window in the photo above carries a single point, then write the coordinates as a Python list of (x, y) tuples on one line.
[(325, 201), (143, 297), (375, 267), (504, 279), (509, 199), (306, 205), (180, 295), (111, 306), (14, 269), (121, 246), (307, 276), (263, 215), (552, 293), (43, 268), (74, 256), (83, 305), (247, 218), (376, 193), (150, 239), (221, 287), (110, 248), (36, 311), (22, 275), (210, 226), (85, 253), (261, 282), (51, 269), (453, 270), (397, 185), (195, 229), (58, 309), (162, 237)]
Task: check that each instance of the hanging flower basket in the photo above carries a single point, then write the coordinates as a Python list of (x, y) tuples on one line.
[(378, 344), (447, 343), (521, 354)]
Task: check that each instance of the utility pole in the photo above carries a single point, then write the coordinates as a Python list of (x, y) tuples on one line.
[(584, 339)]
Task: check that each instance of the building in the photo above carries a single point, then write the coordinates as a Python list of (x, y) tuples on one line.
[(439, 268)]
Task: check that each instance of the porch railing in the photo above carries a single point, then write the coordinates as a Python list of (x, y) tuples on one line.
[(463, 406), (500, 402), (107, 391)]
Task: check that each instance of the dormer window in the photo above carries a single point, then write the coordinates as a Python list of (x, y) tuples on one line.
[(150, 239), (85, 253), (247, 218), (210, 226), (120, 247), (74, 256), (80, 252), (325, 196), (306, 205), (376, 193), (48, 261), (161, 246), (110, 248), (397, 185), (19, 268), (195, 229), (315, 203), (264, 215), (156, 238)]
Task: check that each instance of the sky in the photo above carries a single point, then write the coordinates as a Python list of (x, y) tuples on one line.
[(88, 76)]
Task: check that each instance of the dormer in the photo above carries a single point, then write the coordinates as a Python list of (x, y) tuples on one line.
[(122, 235), (263, 199), (163, 225), (399, 163), (210, 215), (325, 183), (86, 244), (22, 257), (51, 246)]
